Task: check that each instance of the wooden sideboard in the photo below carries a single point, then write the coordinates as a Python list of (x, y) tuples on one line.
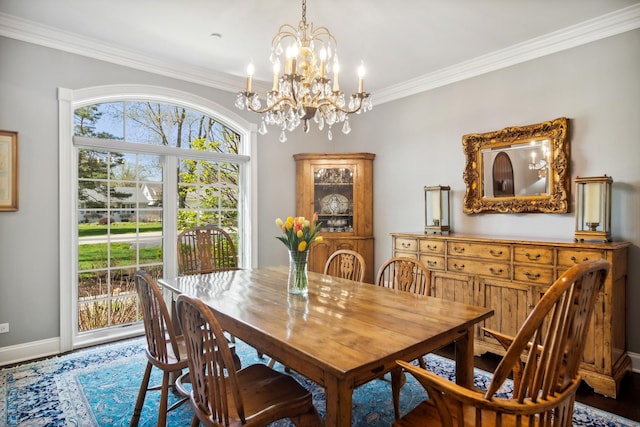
[(511, 275)]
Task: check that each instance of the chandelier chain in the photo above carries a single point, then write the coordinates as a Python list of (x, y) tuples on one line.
[(304, 11)]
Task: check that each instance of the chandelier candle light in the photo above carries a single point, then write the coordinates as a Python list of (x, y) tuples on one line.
[(304, 92)]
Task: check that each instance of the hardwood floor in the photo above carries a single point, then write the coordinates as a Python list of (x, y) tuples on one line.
[(626, 404)]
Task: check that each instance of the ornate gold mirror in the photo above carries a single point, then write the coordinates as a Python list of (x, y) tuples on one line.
[(518, 169)]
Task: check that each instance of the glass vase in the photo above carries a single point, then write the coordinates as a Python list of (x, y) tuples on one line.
[(298, 282)]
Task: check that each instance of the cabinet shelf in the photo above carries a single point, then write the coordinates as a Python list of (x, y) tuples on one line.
[(333, 184)]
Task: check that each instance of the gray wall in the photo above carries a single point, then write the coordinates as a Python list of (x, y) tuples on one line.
[(417, 141)]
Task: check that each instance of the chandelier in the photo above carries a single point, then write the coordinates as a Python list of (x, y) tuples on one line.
[(540, 165), (304, 91)]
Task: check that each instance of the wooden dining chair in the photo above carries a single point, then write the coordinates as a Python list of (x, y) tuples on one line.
[(405, 274), (205, 250), (165, 349), (552, 340), (408, 275), (221, 396), (346, 264)]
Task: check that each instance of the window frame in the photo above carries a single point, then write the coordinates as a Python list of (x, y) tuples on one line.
[(68, 101)]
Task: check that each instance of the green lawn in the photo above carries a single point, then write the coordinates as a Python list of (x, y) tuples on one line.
[(93, 229), (95, 255)]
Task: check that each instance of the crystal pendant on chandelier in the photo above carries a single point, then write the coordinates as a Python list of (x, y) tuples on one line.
[(304, 90)]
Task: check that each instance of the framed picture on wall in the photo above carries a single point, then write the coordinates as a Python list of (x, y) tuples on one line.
[(8, 170)]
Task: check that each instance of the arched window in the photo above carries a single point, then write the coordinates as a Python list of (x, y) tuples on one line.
[(144, 165)]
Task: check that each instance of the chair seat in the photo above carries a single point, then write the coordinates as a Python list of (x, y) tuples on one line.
[(426, 414), (172, 363), (264, 389)]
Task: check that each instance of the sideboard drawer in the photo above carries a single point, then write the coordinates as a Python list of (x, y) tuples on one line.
[(432, 262), (533, 254), (431, 246), (404, 245), (569, 258), (479, 250), (470, 266), (533, 274)]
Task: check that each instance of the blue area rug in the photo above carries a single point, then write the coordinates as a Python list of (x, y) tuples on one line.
[(98, 387)]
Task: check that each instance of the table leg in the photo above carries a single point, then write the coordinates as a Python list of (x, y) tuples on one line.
[(396, 384), (464, 359), (339, 397)]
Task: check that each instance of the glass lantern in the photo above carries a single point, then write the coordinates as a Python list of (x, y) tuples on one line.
[(436, 208), (593, 208)]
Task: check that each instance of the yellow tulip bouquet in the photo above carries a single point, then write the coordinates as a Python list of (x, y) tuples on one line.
[(298, 233)]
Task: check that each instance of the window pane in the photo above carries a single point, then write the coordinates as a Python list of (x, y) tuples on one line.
[(207, 194), (153, 123), (100, 121), (93, 284), (150, 123), (124, 310)]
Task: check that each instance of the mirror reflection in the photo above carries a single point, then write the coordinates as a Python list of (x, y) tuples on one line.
[(516, 170)]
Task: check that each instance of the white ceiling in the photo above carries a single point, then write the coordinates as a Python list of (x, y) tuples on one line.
[(403, 43)]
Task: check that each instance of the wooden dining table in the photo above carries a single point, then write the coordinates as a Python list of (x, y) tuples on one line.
[(342, 334)]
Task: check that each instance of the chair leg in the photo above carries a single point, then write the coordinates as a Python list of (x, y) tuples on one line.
[(164, 399), (195, 422), (421, 362), (135, 419)]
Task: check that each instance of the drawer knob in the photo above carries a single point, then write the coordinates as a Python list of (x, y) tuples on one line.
[(532, 257), (457, 249), (494, 253), (432, 248), (458, 267), (574, 259), (406, 245), (532, 276), (495, 271), (531, 305), (432, 263)]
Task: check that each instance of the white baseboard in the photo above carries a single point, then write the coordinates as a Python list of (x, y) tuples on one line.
[(51, 346), (29, 351), (635, 361)]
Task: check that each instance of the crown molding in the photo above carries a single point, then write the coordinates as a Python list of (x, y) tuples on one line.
[(32, 32), (604, 26), (613, 23)]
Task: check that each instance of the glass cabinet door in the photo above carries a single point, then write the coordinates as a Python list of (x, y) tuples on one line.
[(333, 197)]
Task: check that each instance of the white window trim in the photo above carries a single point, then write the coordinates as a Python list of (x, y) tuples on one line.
[(68, 101)]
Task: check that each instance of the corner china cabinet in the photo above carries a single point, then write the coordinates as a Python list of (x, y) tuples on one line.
[(338, 187), (511, 275)]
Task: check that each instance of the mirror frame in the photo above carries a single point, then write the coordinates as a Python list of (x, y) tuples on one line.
[(556, 201)]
